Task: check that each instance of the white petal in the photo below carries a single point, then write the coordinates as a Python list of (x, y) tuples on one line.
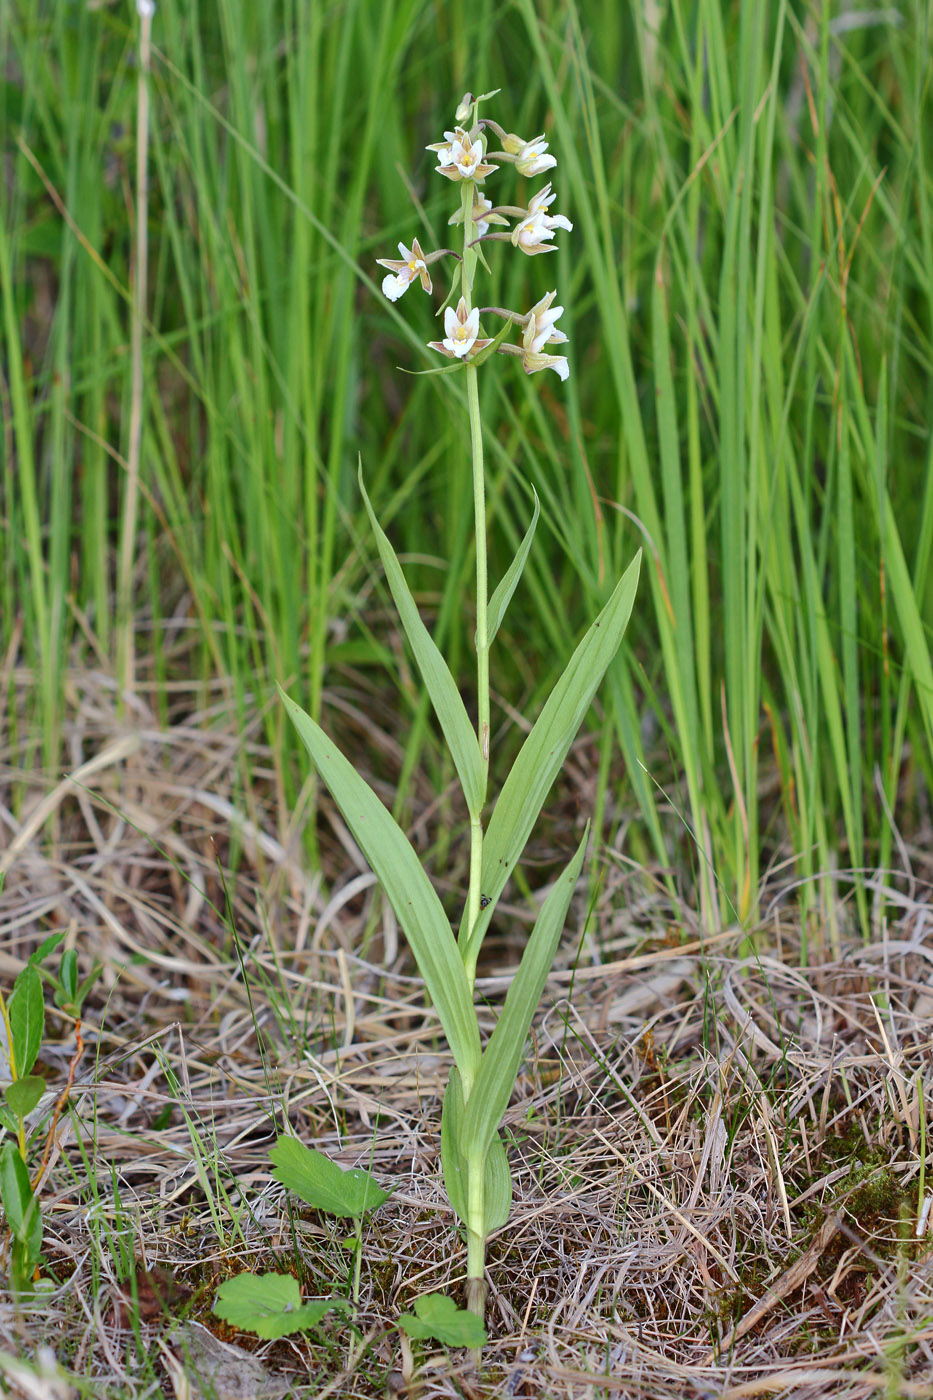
[(393, 287), (472, 322), (451, 323)]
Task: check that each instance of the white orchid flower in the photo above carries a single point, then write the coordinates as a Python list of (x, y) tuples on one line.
[(460, 156), (530, 157), (410, 265), (540, 323), (461, 333), (533, 233)]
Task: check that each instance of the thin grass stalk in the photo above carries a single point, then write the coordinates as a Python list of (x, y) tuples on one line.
[(128, 526)]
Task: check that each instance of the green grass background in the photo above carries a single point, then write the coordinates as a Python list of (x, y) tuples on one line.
[(748, 299)]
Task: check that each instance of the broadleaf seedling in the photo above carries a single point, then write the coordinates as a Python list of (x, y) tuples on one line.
[(437, 1318), (271, 1305)]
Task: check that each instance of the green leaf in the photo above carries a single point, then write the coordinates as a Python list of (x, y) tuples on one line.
[(23, 1094), (441, 686), (495, 1080), (26, 1010), (407, 887), (441, 369), (503, 595), (46, 948), (19, 1204), (452, 1162), (321, 1182), (543, 752), (270, 1305), (80, 996), (439, 1319), (7, 1121), (68, 976), (497, 1183), (497, 1186)]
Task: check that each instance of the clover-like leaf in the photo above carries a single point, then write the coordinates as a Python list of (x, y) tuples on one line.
[(439, 1319), (270, 1305), (321, 1182)]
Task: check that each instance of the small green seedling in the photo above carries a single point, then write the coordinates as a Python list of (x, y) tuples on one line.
[(321, 1183), (270, 1305), (260, 1302), (22, 1032), (438, 1319)]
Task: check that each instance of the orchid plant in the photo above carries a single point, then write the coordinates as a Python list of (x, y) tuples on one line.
[(473, 1155)]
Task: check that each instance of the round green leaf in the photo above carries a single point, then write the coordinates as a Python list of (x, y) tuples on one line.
[(270, 1305), (439, 1319)]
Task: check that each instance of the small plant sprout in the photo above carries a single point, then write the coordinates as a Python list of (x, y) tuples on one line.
[(30, 1108), (473, 1156), (271, 1304)]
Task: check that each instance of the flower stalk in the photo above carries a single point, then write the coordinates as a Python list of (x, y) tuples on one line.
[(473, 1154)]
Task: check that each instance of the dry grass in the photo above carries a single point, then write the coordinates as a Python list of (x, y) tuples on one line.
[(717, 1155)]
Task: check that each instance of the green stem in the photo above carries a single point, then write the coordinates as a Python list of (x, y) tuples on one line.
[(482, 586), (476, 1206), (476, 1239)]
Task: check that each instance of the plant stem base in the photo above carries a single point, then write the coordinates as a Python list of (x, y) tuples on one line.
[(476, 1296)]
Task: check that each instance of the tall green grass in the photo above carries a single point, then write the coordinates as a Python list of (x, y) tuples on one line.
[(748, 288)]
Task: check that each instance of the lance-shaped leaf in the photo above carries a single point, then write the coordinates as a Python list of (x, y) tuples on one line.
[(492, 1088), (26, 1010), (543, 752), (407, 887), (503, 595), (497, 1179), (20, 1206), (441, 686), (497, 1189)]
